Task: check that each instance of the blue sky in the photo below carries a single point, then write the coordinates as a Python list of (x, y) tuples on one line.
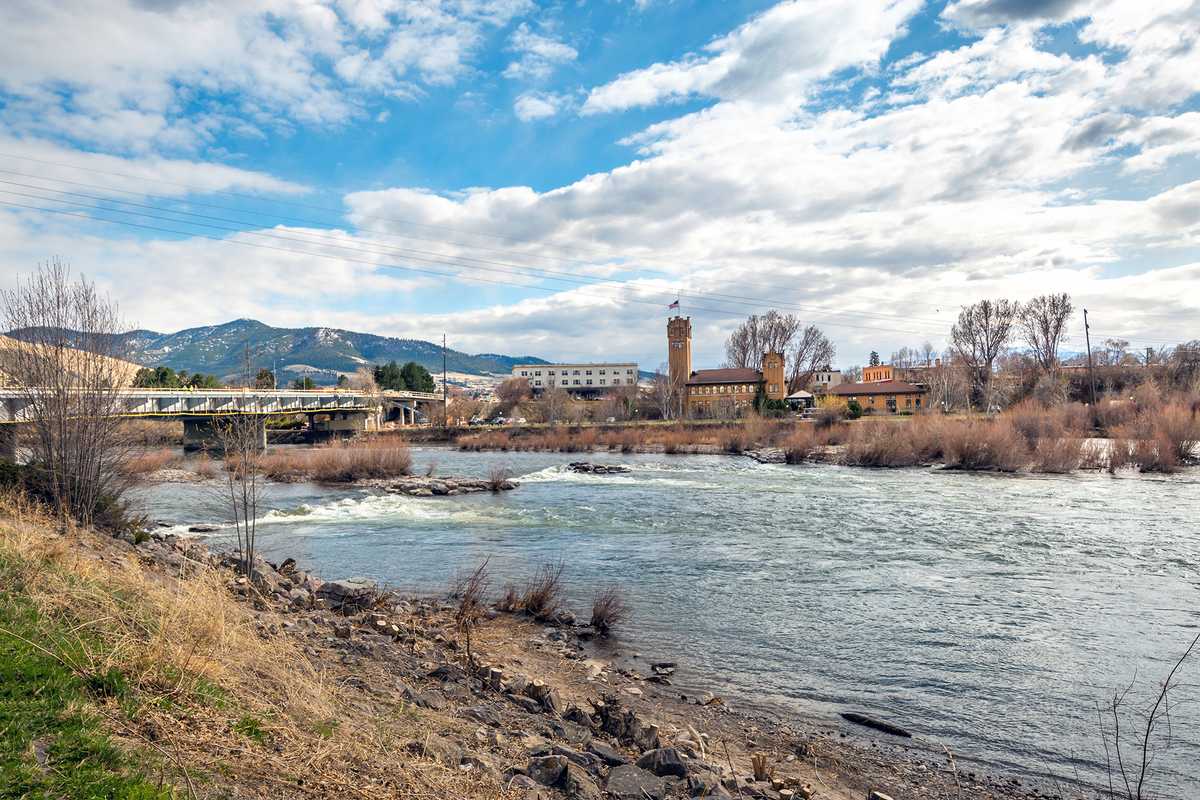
[(566, 169)]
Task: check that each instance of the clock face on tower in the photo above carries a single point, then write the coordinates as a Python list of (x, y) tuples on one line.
[(677, 345)]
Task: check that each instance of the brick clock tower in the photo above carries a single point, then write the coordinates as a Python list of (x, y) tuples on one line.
[(679, 351)]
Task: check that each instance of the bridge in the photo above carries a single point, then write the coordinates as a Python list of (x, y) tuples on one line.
[(328, 410)]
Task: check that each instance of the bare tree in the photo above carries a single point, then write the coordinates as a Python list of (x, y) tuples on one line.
[(1134, 755), (1043, 322), (511, 392), (978, 338), (813, 351), (67, 366), (363, 380), (772, 332), (242, 438), (554, 404), (470, 591), (662, 393)]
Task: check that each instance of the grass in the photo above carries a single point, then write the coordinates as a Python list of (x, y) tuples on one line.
[(609, 610), (111, 653), (543, 595), (53, 740), (151, 461), (339, 462)]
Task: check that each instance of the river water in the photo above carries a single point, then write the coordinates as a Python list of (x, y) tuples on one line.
[(987, 612)]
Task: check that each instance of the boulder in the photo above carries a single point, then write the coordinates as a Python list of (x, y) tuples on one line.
[(628, 782), (349, 595), (439, 749), (607, 753), (663, 762), (577, 784), (547, 770)]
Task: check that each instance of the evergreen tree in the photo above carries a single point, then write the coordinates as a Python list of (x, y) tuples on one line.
[(417, 378), (343, 381), (874, 359), (304, 383), (389, 377)]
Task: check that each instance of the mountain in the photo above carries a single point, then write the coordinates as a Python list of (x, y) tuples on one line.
[(319, 352)]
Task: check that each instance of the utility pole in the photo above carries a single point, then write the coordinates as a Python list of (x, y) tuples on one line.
[(445, 403), (1087, 335)]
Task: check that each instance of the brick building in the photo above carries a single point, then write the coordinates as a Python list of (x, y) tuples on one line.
[(716, 392)]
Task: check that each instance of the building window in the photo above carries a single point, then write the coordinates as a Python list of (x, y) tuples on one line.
[(565, 382), (537, 383), (577, 372), (539, 373), (601, 372), (589, 383), (524, 374), (576, 381), (628, 372)]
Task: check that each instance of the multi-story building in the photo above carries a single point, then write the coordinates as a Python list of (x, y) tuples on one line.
[(712, 392), (879, 392), (579, 380), (823, 379)]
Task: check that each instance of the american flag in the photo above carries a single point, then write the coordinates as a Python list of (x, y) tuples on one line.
[(673, 305)]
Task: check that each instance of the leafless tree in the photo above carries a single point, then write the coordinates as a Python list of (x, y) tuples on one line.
[(363, 380), (554, 404), (772, 332), (242, 439), (67, 365), (662, 393), (511, 393), (1043, 322), (980, 335), (1130, 757), (813, 351), (470, 591)]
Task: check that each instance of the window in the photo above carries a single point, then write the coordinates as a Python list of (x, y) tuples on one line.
[(601, 372), (539, 373), (537, 383), (587, 372), (565, 381), (524, 374), (628, 372), (577, 372)]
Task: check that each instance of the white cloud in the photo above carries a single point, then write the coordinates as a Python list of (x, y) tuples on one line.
[(130, 75), (538, 54), (539, 105), (778, 55)]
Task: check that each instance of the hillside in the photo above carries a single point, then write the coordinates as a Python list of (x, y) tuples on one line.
[(319, 352)]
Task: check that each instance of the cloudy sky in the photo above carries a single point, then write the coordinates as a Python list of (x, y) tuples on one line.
[(545, 177)]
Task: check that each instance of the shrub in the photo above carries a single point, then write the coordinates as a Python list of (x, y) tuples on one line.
[(339, 462), (993, 445), (801, 445), (498, 475), (853, 410), (1178, 429), (509, 601), (150, 461), (880, 444), (543, 594), (1058, 456), (609, 610)]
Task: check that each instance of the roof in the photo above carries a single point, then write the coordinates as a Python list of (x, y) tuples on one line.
[(734, 375), (877, 387), (801, 395)]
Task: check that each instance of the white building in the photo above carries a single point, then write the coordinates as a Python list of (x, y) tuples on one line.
[(824, 379), (582, 380)]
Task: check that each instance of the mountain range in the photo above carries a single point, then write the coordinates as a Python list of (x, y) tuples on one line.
[(321, 353)]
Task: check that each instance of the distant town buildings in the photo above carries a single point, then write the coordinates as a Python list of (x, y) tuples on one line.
[(585, 381), (708, 392), (825, 378)]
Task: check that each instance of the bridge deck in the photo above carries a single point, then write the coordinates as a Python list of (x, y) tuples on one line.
[(229, 402)]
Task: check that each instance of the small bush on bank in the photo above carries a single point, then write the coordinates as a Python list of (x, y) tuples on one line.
[(150, 461), (609, 610), (543, 596), (1058, 456), (994, 445), (880, 444), (339, 462), (801, 445)]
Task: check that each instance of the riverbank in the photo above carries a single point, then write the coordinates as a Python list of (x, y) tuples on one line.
[(299, 687)]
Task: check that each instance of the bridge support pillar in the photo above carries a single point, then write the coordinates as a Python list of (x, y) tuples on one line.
[(200, 433), (341, 423), (8, 443)]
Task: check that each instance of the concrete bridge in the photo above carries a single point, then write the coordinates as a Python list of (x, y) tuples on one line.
[(328, 411)]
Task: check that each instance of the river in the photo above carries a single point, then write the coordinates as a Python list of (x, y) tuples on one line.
[(987, 612)]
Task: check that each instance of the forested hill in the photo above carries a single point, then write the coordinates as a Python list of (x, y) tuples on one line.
[(221, 350)]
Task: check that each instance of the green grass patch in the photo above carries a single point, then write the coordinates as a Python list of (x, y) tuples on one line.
[(52, 742), (251, 728)]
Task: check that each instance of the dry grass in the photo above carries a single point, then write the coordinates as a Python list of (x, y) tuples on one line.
[(151, 461), (215, 696), (609, 610), (339, 462), (801, 445), (1058, 456), (543, 595)]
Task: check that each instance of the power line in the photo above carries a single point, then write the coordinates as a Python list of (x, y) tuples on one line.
[(549, 274)]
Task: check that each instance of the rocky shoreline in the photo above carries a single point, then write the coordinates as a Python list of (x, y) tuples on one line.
[(557, 712)]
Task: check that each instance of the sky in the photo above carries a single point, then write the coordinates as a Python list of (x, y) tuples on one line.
[(544, 178)]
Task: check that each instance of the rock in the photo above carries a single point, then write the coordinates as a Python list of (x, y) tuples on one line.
[(876, 724), (449, 672), (522, 782), (876, 795), (574, 756), (567, 618), (527, 703), (488, 716), (607, 753), (628, 782), (342, 630), (420, 491), (633, 691), (349, 595), (547, 770), (586, 468), (577, 784), (663, 762), (203, 528), (288, 567), (439, 749), (430, 700)]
